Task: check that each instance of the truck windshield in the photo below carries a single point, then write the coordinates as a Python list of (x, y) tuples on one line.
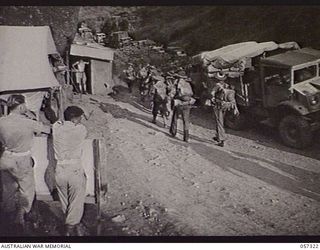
[(305, 74), (276, 76)]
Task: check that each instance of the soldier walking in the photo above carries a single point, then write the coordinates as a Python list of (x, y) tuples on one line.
[(144, 78), (130, 77), (182, 102), (160, 99), (223, 100)]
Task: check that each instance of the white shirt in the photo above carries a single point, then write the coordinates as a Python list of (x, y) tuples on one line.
[(68, 139), (17, 132)]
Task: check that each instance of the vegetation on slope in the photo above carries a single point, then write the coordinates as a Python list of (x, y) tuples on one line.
[(199, 28)]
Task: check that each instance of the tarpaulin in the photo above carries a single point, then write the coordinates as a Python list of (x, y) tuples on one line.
[(228, 55)]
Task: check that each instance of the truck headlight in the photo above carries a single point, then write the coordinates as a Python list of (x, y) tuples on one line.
[(314, 100)]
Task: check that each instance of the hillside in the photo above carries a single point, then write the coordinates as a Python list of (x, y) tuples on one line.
[(206, 28), (198, 28)]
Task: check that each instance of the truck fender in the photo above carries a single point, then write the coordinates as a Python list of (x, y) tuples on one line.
[(294, 106)]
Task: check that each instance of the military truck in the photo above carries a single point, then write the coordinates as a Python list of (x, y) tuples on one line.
[(281, 90)]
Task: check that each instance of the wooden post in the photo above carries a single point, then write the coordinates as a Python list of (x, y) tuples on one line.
[(67, 63), (6, 110), (1, 186), (61, 105), (97, 174)]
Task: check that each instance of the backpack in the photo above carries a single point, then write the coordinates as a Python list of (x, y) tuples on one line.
[(184, 88)]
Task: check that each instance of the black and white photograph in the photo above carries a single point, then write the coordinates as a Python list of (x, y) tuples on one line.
[(164, 121)]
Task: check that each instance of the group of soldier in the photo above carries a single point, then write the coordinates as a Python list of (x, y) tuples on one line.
[(17, 131), (172, 95)]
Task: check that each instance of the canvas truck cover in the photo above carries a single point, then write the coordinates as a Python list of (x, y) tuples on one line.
[(226, 56), (24, 63)]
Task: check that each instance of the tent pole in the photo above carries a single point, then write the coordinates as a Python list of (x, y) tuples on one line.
[(97, 176), (67, 62)]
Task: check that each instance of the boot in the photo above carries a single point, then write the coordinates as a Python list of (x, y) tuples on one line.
[(172, 132), (216, 139), (19, 222), (69, 231), (20, 217), (220, 144), (154, 120), (79, 230)]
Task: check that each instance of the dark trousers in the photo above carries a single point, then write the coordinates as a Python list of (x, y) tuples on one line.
[(219, 120), (155, 109), (185, 113), (130, 85), (159, 106), (18, 183)]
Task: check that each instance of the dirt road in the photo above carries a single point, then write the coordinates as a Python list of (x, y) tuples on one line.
[(158, 185)]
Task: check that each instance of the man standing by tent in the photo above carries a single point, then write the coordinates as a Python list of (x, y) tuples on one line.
[(81, 77), (16, 136), (182, 102), (68, 138)]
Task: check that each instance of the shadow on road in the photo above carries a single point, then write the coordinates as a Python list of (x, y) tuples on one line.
[(296, 180), (258, 133), (118, 112), (203, 117)]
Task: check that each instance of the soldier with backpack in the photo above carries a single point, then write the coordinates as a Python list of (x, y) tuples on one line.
[(160, 99), (130, 76), (182, 101), (222, 100)]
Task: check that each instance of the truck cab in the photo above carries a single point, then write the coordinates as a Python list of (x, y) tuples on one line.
[(286, 92), (288, 75)]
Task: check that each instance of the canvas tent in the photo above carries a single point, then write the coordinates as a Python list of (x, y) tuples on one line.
[(100, 70), (24, 63)]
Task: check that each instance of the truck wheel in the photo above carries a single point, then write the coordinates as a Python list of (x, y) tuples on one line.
[(235, 122), (295, 132)]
